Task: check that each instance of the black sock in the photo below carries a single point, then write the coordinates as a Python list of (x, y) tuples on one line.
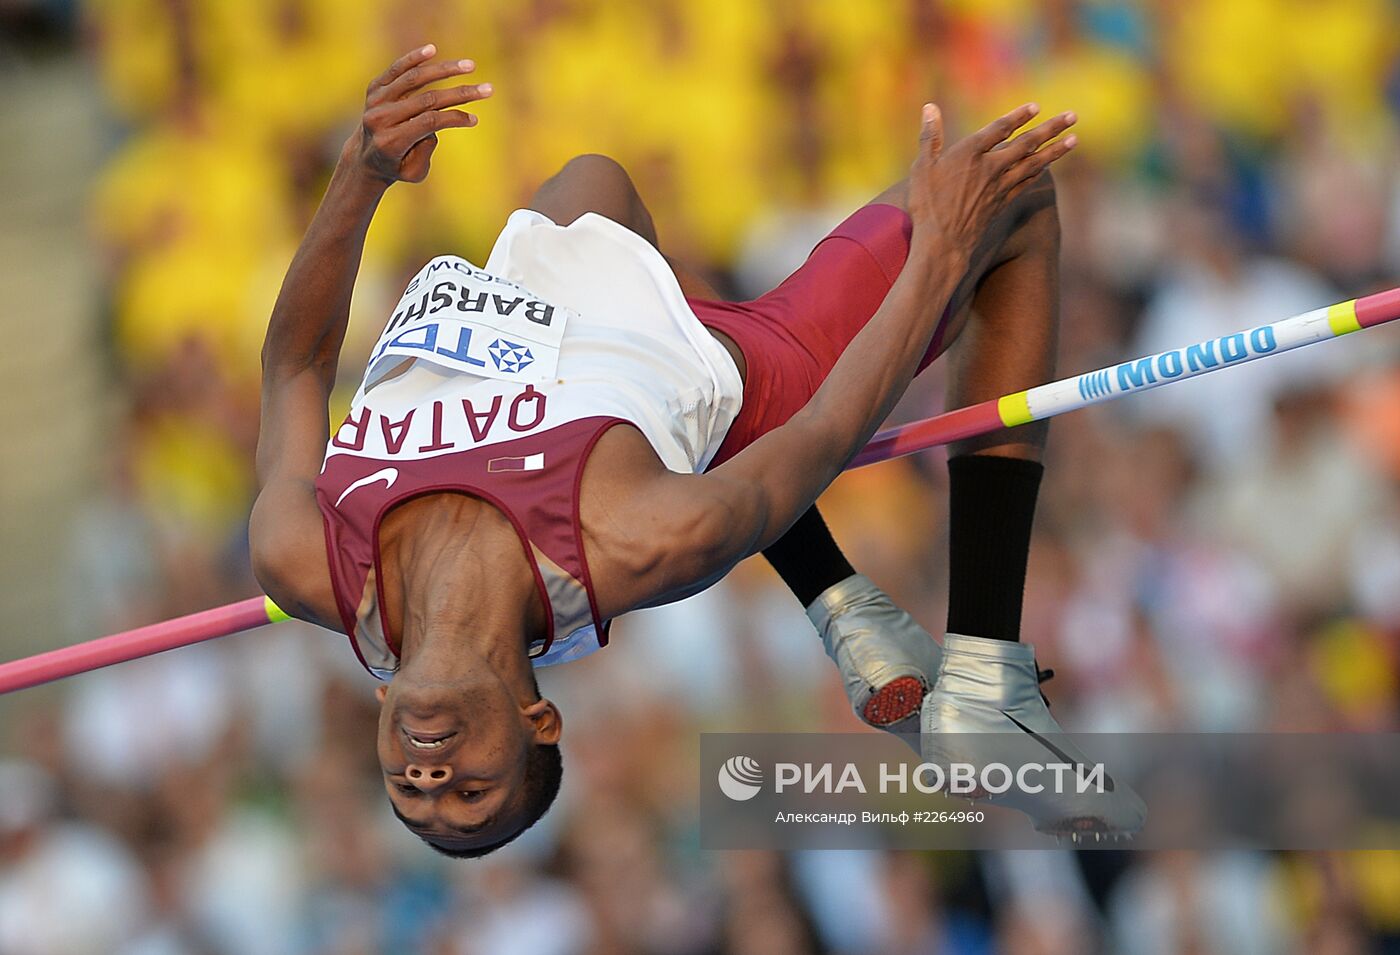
[(990, 510), (807, 558)]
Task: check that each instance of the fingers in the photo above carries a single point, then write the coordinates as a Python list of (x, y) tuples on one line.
[(1032, 139), (411, 72), (1037, 162), (995, 132), (405, 109), (417, 77), (425, 124), (931, 133), (1031, 153), (401, 65)]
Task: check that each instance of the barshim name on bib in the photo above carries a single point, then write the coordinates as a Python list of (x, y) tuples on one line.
[(470, 321)]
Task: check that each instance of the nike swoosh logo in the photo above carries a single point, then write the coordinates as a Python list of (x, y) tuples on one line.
[(387, 475), (1079, 768)]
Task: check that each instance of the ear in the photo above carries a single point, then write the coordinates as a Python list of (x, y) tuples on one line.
[(546, 721), (380, 692)]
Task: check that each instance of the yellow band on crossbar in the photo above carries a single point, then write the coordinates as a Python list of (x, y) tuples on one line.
[(1342, 318), (275, 614), (1014, 409)]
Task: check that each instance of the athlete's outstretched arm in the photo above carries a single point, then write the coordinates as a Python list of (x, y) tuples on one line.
[(395, 141), (746, 503)]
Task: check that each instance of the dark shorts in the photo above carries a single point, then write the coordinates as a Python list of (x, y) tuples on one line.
[(792, 336)]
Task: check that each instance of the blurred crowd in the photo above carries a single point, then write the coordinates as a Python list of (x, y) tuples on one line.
[(1221, 555)]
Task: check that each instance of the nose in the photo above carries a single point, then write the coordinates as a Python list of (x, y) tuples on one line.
[(428, 779)]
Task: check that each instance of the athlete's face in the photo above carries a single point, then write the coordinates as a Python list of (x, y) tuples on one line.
[(454, 757)]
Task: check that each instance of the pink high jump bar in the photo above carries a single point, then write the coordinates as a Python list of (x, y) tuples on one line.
[(141, 642), (1036, 404)]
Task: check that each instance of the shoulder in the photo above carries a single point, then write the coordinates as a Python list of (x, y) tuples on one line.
[(287, 545)]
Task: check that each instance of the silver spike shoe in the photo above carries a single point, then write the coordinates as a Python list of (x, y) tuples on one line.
[(986, 707), (887, 661)]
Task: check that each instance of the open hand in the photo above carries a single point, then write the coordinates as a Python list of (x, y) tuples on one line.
[(398, 132), (959, 190)]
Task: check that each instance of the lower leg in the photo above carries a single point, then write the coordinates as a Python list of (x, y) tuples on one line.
[(1003, 326), (1007, 344), (807, 558)]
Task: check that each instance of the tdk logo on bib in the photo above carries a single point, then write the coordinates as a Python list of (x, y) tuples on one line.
[(510, 356), (464, 319)]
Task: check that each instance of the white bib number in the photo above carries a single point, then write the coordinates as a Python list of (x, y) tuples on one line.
[(464, 319)]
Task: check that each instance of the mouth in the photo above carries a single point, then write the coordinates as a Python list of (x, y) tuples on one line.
[(427, 742)]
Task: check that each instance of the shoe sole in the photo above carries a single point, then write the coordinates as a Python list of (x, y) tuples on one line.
[(897, 700)]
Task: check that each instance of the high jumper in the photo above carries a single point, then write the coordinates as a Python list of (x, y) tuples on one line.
[(580, 428)]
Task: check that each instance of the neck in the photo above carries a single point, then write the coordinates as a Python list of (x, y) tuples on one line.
[(464, 587)]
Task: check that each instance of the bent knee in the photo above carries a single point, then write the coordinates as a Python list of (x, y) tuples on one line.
[(591, 174), (592, 160), (593, 166), (1034, 219), (595, 183), (1039, 204)]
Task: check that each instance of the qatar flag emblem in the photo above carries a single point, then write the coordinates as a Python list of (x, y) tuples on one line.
[(531, 462)]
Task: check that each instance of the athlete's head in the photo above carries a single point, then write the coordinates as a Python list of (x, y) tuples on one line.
[(470, 758)]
